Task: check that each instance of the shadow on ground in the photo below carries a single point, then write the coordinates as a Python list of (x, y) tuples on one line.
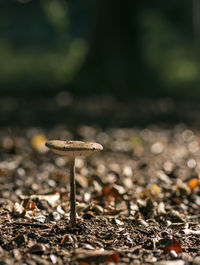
[(102, 110)]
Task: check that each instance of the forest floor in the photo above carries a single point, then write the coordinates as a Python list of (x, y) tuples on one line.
[(138, 200)]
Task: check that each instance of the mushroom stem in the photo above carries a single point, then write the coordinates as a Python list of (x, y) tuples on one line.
[(73, 149), (72, 192)]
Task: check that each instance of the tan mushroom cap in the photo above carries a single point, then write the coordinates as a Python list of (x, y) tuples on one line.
[(73, 148)]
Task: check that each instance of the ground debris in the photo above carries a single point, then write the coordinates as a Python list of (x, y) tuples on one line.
[(137, 202)]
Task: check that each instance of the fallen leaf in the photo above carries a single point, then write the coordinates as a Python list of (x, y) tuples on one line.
[(2, 172), (111, 191), (38, 143), (153, 190), (193, 183), (89, 215), (176, 201), (113, 258), (173, 247), (30, 206), (139, 216), (63, 239)]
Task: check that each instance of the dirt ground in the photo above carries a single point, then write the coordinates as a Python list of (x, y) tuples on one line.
[(137, 200)]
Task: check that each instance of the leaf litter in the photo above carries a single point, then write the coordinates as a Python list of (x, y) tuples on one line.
[(137, 201)]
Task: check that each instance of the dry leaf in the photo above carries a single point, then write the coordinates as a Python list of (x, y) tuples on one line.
[(110, 191), (113, 258), (193, 183), (153, 190), (173, 247), (176, 201), (30, 206), (38, 143), (63, 239), (89, 215)]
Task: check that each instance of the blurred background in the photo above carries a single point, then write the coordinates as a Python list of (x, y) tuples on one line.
[(58, 53)]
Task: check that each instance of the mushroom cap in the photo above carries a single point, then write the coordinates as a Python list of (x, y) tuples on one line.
[(73, 148)]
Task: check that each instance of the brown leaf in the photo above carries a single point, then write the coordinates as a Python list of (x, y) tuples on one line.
[(111, 191), (139, 216), (113, 258), (176, 201), (30, 206), (174, 246), (2, 171)]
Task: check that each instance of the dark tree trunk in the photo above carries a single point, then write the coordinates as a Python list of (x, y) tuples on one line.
[(115, 59)]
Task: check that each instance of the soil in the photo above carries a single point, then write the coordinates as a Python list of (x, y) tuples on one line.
[(137, 200)]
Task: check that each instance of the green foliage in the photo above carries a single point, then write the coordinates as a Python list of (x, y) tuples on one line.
[(135, 48), (47, 56), (171, 54)]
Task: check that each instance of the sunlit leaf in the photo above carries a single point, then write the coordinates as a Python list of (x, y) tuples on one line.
[(153, 190), (192, 183), (38, 143)]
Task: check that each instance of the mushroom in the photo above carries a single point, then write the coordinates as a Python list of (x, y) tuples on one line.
[(73, 149)]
